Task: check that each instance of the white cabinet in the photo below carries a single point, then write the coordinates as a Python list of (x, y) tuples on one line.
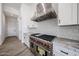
[(67, 14), (65, 48), (60, 50)]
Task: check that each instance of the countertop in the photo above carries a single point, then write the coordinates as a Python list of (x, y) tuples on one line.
[(67, 42)]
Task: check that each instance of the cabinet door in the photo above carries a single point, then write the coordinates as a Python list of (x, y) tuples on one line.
[(74, 19), (78, 12), (67, 14)]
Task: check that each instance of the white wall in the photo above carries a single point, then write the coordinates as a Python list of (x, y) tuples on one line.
[(19, 28), (27, 11), (11, 26), (2, 25)]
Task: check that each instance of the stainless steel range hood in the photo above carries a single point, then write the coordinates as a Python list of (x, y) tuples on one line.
[(44, 11)]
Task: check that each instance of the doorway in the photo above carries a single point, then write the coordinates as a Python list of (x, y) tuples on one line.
[(11, 26)]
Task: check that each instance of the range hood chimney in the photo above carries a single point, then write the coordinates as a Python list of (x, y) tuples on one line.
[(44, 11)]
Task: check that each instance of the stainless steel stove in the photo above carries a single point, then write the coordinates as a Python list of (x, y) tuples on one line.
[(41, 44)]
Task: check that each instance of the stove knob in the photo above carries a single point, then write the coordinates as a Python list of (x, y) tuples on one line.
[(44, 44), (47, 45)]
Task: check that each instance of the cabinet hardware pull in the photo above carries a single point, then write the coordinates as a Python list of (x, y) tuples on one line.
[(59, 20), (64, 52)]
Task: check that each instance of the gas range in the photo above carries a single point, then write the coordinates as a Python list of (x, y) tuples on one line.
[(41, 42)]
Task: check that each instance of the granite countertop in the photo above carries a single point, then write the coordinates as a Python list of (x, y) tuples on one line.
[(68, 42)]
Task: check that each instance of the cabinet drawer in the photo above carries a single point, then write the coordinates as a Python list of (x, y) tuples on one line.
[(63, 50), (59, 53)]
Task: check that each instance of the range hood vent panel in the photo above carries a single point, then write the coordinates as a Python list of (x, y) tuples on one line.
[(44, 11)]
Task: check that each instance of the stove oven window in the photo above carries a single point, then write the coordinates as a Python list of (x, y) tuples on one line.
[(41, 51)]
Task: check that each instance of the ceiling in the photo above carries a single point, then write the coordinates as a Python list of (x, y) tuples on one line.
[(13, 5), (16, 6)]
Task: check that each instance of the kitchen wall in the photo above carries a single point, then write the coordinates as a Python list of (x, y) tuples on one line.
[(51, 27)]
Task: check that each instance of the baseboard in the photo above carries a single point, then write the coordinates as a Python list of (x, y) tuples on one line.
[(10, 37)]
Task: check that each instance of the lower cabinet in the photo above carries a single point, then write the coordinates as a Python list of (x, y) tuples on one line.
[(61, 50)]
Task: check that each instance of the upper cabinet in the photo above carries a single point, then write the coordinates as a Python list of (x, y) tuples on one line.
[(68, 14)]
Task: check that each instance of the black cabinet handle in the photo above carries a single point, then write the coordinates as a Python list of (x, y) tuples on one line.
[(59, 20), (64, 52)]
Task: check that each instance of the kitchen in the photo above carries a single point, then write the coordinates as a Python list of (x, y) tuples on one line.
[(61, 24)]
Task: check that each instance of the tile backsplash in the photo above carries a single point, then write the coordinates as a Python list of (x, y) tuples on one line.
[(51, 27)]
